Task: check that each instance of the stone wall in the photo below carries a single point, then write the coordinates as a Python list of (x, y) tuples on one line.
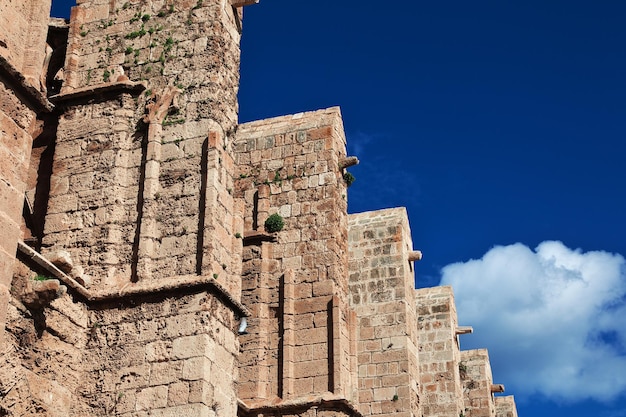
[(301, 332), (440, 356), (41, 364), (477, 383), (381, 291), (142, 180), (161, 355), (505, 406), (24, 26), (19, 108)]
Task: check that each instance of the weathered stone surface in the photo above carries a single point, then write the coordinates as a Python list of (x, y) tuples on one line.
[(62, 260), (39, 294)]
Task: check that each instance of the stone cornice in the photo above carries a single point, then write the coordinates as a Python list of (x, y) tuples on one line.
[(99, 91), (130, 290)]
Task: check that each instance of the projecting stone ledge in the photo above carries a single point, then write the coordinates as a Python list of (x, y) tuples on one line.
[(497, 388), (90, 92), (254, 237), (299, 405), (348, 161), (415, 255), (241, 3), (38, 294), (139, 288)]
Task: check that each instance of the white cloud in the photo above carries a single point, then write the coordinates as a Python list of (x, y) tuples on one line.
[(553, 319)]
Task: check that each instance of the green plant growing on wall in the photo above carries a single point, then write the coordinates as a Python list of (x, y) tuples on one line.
[(40, 277), (106, 76), (348, 178), (274, 223)]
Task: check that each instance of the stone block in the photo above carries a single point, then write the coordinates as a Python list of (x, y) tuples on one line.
[(198, 368), (178, 394), (163, 373), (200, 392), (55, 397), (192, 346), (11, 200), (151, 398), (158, 351)]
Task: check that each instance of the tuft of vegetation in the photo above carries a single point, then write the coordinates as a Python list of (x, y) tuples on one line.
[(348, 178), (40, 277), (238, 235), (136, 34), (106, 76), (274, 223)]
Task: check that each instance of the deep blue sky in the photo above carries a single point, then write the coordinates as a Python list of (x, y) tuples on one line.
[(492, 122)]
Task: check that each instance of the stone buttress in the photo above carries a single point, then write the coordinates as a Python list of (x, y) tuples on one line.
[(299, 353), (382, 293), (22, 102), (140, 219)]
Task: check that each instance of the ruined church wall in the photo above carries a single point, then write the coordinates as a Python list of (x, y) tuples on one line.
[(161, 355), (17, 122), (41, 364), (24, 26), (92, 206), (157, 201), (190, 44), (300, 340), (381, 290)]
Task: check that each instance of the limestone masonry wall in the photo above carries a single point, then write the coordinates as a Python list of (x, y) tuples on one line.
[(301, 334), (24, 26), (381, 289), (439, 352), (137, 274)]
